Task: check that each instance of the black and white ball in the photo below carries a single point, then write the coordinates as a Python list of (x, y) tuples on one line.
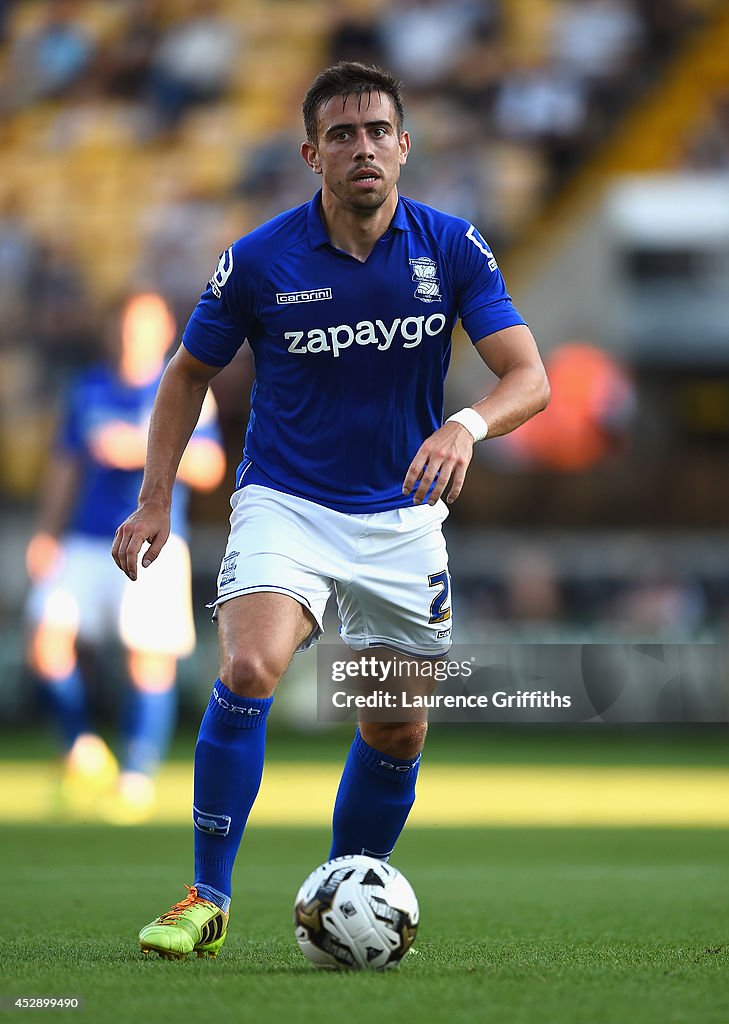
[(356, 913)]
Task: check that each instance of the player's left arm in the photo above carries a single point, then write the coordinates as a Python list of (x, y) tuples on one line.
[(522, 391)]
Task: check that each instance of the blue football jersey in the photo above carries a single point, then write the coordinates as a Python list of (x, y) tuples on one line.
[(97, 397), (350, 357)]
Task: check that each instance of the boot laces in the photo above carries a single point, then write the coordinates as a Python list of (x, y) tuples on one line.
[(171, 916)]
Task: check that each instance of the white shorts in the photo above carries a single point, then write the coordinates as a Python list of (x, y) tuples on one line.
[(389, 570), (90, 596)]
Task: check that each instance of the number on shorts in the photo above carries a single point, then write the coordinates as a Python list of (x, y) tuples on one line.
[(439, 612)]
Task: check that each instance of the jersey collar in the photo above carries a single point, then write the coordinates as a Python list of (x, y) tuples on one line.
[(317, 232)]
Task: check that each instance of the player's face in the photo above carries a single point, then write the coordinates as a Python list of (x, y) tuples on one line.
[(359, 152)]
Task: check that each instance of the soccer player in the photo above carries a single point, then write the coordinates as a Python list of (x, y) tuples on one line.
[(348, 303), (93, 480)]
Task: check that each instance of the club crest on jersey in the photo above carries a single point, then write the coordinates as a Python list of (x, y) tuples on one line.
[(425, 272), (221, 275), (228, 568)]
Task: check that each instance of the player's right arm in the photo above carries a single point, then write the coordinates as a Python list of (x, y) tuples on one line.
[(176, 410)]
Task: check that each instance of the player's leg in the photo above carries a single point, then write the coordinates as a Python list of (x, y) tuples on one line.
[(399, 598), (377, 788), (148, 723), (59, 610), (258, 634), (153, 619), (269, 604), (51, 656)]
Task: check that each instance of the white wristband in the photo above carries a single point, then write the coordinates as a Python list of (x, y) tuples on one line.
[(474, 423)]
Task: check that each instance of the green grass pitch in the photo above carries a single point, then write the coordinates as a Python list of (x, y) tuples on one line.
[(518, 926)]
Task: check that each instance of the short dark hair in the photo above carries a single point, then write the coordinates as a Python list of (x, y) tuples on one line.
[(349, 78)]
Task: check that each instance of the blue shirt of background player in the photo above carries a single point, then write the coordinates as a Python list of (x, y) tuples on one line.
[(106, 495), (350, 357)]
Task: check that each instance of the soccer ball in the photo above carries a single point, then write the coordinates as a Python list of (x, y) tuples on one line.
[(356, 913)]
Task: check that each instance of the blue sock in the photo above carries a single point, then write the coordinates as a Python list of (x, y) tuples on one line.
[(228, 768), (66, 702), (373, 801), (149, 721)]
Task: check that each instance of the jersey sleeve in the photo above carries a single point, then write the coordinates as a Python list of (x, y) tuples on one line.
[(222, 318), (484, 305)]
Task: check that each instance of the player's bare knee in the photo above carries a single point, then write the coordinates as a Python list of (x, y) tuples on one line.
[(398, 739), (250, 673)]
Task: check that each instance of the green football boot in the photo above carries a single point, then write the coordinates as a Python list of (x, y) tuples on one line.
[(192, 926)]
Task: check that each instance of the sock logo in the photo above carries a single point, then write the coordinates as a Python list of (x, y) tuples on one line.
[(235, 709), (213, 824), (398, 767)]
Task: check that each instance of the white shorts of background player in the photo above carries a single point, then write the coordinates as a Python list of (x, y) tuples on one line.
[(90, 597)]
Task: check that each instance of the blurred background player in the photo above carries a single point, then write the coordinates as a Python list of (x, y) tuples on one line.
[(93, 477)]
